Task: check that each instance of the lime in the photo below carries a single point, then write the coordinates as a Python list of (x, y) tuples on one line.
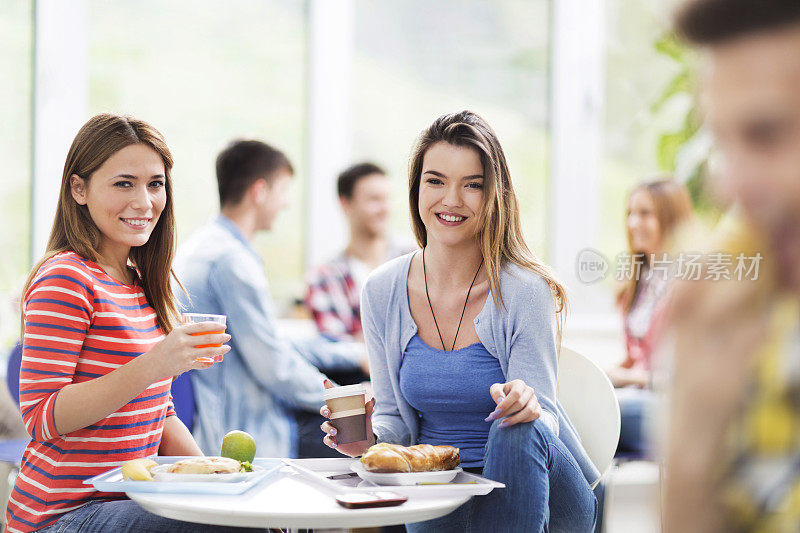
[(239, 445)]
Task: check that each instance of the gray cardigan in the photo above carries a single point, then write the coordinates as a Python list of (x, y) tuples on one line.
[(521, 335)]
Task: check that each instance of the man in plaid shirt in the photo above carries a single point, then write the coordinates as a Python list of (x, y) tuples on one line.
[(334, 288)]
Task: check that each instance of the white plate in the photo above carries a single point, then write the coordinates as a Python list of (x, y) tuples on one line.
[(404, 478), (160, 474)]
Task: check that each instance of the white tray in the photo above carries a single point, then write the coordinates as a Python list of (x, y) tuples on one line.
[(319, 470), (162, 473), (112, 481)]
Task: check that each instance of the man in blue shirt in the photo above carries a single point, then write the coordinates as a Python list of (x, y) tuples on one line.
[(264, 376)]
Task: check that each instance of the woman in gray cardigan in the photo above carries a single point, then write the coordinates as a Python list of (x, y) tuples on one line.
[(468, 327)]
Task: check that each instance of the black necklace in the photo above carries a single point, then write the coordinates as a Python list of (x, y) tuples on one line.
[(425, 275)]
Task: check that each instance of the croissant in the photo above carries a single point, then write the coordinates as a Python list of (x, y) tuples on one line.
[(386, 458)]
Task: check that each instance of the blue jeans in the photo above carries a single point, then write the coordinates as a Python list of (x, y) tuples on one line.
[(125, 516), (635, 406), (545, 489)]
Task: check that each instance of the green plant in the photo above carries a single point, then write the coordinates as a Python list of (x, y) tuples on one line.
[(684, 151)]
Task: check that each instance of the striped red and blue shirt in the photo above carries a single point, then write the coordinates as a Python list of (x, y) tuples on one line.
[(80, 324)]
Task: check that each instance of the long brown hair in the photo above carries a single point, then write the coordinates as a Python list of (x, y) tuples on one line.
[(673, 207), (74, 230), (501, 237)]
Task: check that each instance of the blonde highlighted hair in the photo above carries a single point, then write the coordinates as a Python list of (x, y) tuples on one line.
[(501, 237), (74, 230), (673, 207)]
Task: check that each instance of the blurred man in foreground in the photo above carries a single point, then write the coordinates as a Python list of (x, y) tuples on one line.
[(733, 452)]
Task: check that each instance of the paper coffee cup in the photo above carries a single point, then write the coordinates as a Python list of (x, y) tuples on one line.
[(348, 413)]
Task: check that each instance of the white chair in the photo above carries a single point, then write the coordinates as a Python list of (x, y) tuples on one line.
[(588, 397)]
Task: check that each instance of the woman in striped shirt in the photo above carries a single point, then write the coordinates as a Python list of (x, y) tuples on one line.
[(100, 341)]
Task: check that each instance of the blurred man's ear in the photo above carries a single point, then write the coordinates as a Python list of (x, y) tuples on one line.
[(344, 201), (258, 191)]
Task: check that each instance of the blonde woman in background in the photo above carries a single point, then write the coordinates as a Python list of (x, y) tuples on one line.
[(656, 209)]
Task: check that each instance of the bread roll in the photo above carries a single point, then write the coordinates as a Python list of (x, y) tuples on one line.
[(206, 465), (387, 458)]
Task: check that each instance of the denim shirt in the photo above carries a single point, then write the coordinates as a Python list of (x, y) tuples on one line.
[(521, 334), (264, 376)]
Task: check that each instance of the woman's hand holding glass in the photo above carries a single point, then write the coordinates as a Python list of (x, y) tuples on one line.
[(516, 402), (179, 351)]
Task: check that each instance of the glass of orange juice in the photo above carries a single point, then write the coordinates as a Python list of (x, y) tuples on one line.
[(193, 318)]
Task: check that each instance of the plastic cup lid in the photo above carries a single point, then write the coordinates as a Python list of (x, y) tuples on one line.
[(342, 392)]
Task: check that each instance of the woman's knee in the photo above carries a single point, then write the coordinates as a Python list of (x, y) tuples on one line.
[(536, 434)]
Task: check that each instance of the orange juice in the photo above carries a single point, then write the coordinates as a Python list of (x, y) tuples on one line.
[(208, 345)]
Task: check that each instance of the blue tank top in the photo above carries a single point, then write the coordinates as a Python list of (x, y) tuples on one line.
[(450, 392)]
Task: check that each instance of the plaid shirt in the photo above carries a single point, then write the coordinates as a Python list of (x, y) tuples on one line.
[(334, 293), (333, 299), (761, 471)]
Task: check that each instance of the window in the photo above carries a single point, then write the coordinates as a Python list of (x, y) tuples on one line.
[(205, 73), (416, 60), (16, 41), (636, 76)]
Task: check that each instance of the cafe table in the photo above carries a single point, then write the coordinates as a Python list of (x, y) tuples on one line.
[(289, 499)]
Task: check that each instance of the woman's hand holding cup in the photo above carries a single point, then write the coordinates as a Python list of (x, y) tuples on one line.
[(197, 318), (178, 351), (353, 420)]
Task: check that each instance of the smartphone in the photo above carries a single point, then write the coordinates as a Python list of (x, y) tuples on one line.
[(361, 500)]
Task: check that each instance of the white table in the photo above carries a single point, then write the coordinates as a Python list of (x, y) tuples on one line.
[(289, 500)]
